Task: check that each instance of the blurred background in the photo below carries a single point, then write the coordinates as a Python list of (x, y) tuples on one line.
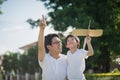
[(19, 29)]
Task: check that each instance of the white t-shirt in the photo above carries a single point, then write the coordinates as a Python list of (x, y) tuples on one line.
[(54, 69), (76, 64)]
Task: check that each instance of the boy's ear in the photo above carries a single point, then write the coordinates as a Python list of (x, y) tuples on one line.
[(78, 42)]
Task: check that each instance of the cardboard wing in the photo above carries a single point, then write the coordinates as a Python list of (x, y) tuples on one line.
[(84, 32)]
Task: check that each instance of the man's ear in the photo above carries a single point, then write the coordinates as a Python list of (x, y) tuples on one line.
[(48, 46), (66, 46)]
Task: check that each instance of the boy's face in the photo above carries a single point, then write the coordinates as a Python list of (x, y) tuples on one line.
[(71, 43)]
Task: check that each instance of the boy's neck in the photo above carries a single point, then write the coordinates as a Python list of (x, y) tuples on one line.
[(73, 50)]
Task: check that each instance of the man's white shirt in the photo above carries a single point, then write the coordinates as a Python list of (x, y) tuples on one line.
[(54, 69)]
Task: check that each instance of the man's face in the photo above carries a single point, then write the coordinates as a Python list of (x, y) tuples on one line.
[(56, 45)]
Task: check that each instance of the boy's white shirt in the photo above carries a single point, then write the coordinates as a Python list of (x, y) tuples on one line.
[(54, 69), (76, 64)]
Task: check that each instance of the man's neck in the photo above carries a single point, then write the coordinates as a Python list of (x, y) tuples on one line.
[(54, 55)]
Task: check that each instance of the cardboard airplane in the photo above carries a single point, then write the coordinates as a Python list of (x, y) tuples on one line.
[(85, 32), (90, 32)]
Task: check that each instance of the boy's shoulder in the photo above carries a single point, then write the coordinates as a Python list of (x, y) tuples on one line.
[(82, 49), (62, 55)]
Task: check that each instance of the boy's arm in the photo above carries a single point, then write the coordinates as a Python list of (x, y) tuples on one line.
[(41, 49), (90, 48)]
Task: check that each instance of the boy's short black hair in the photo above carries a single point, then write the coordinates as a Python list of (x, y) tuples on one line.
[(48, 40)]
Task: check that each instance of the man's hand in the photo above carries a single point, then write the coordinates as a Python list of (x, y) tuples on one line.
[(42, 23)]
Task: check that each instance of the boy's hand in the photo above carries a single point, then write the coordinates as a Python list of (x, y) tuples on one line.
[(88, 39), (42, 23)]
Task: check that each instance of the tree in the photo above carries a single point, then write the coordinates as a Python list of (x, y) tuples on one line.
[(1, 2), (21, 63), (77, 13), (29, 61), (11, 62)]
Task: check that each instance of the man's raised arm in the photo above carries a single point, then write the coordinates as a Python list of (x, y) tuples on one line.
[(41, 49)]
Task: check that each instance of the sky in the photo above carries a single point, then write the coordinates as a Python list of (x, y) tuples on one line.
[(15, 32)]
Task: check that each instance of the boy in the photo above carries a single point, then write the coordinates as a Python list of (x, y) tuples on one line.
[(76, 57)]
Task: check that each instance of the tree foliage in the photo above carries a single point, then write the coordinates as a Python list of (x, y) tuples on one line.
[(11, 62), (77, 13), (22, 63)]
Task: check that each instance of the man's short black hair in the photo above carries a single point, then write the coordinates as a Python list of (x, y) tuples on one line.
[(48, 40)]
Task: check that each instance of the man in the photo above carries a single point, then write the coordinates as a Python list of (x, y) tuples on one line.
[(52, 62)]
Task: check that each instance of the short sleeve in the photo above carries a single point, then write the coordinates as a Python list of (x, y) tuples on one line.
[(41, 63), (84, 53)]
